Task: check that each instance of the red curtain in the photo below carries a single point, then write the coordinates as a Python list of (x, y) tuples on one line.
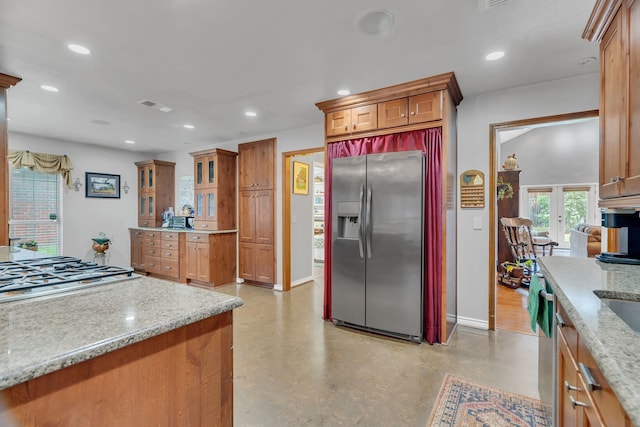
[(429, 141)]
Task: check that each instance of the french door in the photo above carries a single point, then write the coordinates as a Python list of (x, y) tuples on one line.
[(556, 209)]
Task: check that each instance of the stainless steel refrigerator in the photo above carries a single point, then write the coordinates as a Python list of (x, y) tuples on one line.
[(377, 243)]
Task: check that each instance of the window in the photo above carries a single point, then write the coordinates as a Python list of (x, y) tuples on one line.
[(34, 209)]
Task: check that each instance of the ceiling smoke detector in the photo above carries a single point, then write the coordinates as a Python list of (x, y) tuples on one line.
[(486, 5), (375, 21)]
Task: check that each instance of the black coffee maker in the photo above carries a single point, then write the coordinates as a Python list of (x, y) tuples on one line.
[(628, 221)]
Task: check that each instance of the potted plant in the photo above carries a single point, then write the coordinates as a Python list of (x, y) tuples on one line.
[(31, 245), (100, 243)]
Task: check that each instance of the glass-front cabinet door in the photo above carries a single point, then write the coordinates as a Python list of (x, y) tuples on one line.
[(211, 211)]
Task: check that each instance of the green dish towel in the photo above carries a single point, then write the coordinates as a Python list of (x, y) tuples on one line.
[(539, 308)]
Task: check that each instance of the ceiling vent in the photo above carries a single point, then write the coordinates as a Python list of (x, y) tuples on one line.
[(485, 5), (146, 102), (155, 105)]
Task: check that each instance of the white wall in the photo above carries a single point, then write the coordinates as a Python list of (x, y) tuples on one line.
[(83, 218), (289, 140), (475, 114), (562, 154)]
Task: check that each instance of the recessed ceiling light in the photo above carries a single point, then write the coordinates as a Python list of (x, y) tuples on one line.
[(375, 21), (250, 114), (78, 49), (188, 126), (494, 55), (49, 88), (344, 92), (129, 141)]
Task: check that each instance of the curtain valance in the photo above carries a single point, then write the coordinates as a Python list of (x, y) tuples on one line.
[(43, 163)]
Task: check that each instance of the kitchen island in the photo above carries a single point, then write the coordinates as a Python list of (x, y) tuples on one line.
[(142, 351), (602, 335)]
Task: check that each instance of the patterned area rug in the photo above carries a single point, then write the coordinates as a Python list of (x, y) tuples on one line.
[(464, 403)]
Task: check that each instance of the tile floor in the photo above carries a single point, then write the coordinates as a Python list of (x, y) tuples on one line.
[(294, 369)]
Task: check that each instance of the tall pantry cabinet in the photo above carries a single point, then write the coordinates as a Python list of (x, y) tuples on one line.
[(256, 200)]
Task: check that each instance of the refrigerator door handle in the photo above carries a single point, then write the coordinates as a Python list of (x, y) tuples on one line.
[(369, 225), (361, 218)]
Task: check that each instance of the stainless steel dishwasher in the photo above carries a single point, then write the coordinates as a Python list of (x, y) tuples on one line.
[(547, 357)]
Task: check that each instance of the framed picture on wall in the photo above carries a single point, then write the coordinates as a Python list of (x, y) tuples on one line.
[(300, 178), (102, 185)]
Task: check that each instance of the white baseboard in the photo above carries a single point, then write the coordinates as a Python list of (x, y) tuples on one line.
[(301, 281), (473, 323), (277, 287), (239, 280)]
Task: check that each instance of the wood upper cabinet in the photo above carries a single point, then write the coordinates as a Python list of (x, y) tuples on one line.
[(352, 120), (256, 164), (616, 25), (214, 189), (156, 184), (421, 108)]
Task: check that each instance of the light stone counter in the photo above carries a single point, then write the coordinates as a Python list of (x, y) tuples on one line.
[(45, 334), (613, 344), (183, 230)]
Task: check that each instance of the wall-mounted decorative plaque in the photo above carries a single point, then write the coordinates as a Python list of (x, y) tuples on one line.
[(472, 189)]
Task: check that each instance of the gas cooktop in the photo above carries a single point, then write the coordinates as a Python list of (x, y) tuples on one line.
[(43, 276)]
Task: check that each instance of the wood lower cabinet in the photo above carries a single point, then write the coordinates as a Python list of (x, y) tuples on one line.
[(584, 397), (256, 262), (137, 251), (211, 258), (183, 377)]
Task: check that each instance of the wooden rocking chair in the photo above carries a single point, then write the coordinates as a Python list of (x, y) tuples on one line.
[(524, 247)]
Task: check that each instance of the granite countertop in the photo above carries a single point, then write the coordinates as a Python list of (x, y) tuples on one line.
[(612, 343), (45, 334), (183, 230)]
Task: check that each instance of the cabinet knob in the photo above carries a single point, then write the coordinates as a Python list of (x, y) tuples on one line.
[(168, 245), (616, 179), (402, 115), (354, 125), (346, 127), (413, 113), (205, 225), (167, 267)]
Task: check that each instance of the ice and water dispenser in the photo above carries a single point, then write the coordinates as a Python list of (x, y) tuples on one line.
[(348, 214)]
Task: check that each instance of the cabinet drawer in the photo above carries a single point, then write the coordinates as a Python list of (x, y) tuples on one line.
[(567, 329), (137, 233), (197, 237), (170, 236), (170, 267), (169, 244), (205, 225), (152, 234), (169, 254), (152, 263), (604, 398), (151, 251)]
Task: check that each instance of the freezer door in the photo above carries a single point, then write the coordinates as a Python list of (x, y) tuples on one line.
[(347, 255), (394, 245)]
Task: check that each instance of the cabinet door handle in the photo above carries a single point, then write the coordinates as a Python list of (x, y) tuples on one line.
[(560, 320), (592, 385), (617, 179), (575, 403), (568, 387), (196, 238)]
